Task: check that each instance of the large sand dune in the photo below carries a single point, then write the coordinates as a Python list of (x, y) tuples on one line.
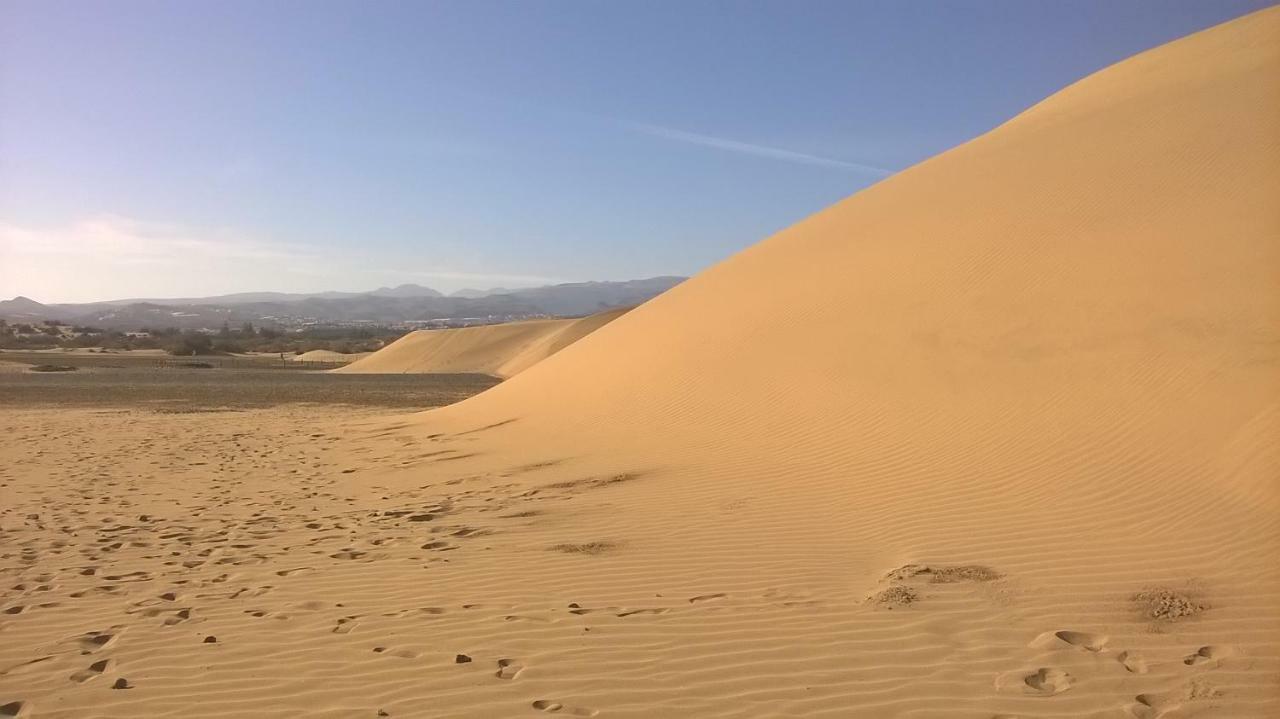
[(1053, 351), (502, 350), (995, 437)]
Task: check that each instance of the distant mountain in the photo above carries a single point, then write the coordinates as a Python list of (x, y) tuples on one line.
[(25, 309), (239, 298), (386, 305), (470, 293), (483, 293), (406, 291), (586, 297)]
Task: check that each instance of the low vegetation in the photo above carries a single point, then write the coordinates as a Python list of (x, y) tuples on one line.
[(53, 368), (51, 334)]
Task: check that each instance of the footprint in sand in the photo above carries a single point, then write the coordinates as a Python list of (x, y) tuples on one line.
[(558, 708), (178, 617), (527, 618), (24, 667), (706, 597), (1048, 681), (348, 553), (346, 625), (581, 611), (103, 589), (633, 612), (94, 670), (1133, 662), (1151, 706), (401, 653), (96, 641), (1207, 654), (130, 577), (508, 669), (1083, 641), (13, 710)]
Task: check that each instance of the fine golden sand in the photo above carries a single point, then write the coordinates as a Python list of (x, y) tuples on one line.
[(501, 350), (995, 437), (329, 356)]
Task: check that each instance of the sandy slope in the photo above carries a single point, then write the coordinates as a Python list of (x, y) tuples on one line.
[(330, 356), (1053, 351), (501, 350), (1043, 365)]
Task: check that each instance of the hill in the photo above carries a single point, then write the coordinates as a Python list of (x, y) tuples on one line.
[(25, 309), (386, 305)]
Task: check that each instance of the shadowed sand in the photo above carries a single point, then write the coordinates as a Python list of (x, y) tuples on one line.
[(997, 441)]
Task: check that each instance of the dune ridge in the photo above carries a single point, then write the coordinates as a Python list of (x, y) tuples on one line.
[(329, 356), (502, 350)]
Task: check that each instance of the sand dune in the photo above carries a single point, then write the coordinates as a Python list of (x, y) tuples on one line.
[(330, 356), (1054, 352), (502, 350), (998, 440)]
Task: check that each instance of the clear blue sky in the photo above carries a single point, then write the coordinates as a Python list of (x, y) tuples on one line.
[(187, 148)]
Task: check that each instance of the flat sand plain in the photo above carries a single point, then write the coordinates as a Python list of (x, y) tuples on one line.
[(181, 388)]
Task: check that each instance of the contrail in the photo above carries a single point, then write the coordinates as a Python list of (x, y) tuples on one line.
[(747, 148)]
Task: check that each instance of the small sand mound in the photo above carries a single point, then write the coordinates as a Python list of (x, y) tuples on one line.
[(896, 596), (584, 548), (944, 575), (1167, 605)]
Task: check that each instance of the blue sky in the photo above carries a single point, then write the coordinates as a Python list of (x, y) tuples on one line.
[(185, 148)]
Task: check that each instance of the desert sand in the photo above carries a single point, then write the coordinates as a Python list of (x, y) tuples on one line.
[(502, 350), (998, 441), (329, 356)]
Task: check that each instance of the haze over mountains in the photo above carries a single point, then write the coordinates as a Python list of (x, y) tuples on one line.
[(386, 305)]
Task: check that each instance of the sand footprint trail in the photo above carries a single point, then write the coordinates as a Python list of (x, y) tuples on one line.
[(1037, 479), (706, 625)]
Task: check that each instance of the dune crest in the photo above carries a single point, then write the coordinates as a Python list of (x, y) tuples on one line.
[(329, 356), (502, 350)]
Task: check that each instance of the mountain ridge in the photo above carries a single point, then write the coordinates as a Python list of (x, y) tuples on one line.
[(402, 303)]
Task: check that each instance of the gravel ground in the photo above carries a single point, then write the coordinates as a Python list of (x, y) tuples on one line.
[(184, 389)]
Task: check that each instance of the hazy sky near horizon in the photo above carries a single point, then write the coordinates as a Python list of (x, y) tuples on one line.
[(153, 149)]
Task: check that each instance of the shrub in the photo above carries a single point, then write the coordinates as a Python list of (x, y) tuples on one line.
[(189, 344), (53, 368)]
